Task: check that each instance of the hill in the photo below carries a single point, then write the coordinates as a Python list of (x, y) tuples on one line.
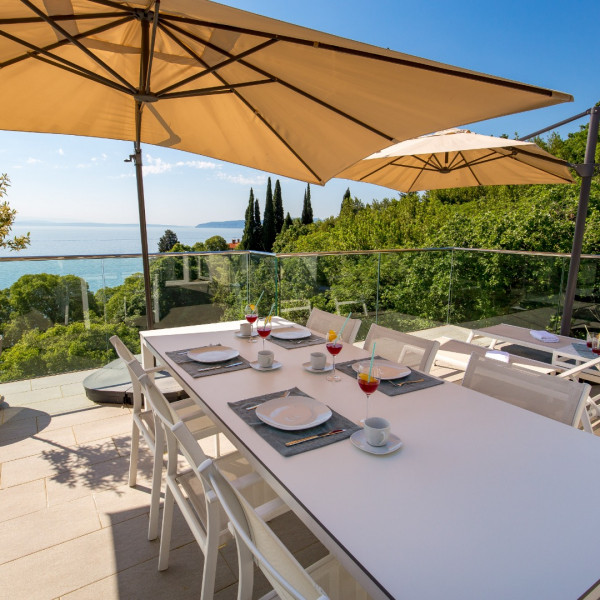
[(223, 224)]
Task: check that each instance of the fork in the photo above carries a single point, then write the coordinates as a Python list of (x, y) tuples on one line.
[(406, 382)]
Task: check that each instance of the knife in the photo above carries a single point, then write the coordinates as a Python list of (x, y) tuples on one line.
[(221, 366), (314, 437)]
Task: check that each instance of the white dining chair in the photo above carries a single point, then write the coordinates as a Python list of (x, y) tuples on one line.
[(322, 322), (143, 424), (408, 350), (198, 504), (557, 398), (256, 542)]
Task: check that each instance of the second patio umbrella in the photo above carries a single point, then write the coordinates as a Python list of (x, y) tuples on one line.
[(458, 158)]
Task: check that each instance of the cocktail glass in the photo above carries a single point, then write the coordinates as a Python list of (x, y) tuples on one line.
[(368, 381), (264, 330), (334, 348), (251, 317)]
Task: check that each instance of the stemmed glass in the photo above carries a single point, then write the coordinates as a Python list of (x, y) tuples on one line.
[(368, 382), (265, 330), (251, 316), (334, 347)]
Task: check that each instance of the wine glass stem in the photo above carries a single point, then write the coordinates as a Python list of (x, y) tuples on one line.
[(333, 363), (367, 406)]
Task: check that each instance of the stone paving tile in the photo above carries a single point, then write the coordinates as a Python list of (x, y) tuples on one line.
[(48, 527), (50, 462), (72, 389), (14, 387), (62, 379), (51, 440), (18, 429), (22, 499), (86, 432), (84, 414), (47, 408), (28, 397)]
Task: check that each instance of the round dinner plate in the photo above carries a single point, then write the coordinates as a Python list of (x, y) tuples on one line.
[(360, 441), (387, 369), (212, 354), (291, 334), (293, 412)]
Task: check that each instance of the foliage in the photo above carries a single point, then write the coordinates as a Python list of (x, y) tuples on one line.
[(167, 241), (307, 211), (216, 243), (252, 236), (268, 226), (7, 218), (278, 208)]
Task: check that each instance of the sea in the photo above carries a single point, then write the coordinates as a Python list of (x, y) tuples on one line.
[(94, 239)]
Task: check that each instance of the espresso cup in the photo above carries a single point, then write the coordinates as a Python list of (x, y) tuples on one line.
[(377, 431), (265, 358), (318, 360), (245, 328)]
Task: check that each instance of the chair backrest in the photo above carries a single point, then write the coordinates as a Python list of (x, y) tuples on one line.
[(255, 539), (125, 354), (409, 350), (322, 321), (559, 399)]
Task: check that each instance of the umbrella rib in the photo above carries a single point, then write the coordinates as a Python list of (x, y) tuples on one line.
[(208, 70), (67, 17), (547, 159), (151, 48), (59, 44), (218, 89), (67, 65), (285, 84), (444, 70), (78, 44), (469, 166)]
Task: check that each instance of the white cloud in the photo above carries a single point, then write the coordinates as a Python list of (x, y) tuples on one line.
[(33, 161), (61, 152), (243, 180), (156, 166), (198, 164)]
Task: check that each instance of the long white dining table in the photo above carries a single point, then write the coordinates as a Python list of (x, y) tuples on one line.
[(484, 500)]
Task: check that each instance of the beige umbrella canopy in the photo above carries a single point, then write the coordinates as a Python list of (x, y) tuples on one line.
[(232, 85), (458, 158)]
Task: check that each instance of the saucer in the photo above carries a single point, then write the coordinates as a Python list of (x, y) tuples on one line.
[(245, 336), (327, 367), (276, 365), (360, 441)]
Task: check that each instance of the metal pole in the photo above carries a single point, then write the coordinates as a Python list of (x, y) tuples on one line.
[(582, 209)]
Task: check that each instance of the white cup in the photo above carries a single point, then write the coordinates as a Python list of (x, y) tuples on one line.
[(265, 358), (318, 360), (377, 431), (245, 328)]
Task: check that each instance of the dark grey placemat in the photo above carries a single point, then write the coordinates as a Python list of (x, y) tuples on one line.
[(278, 437), (313, 340), (387, 386), (199, 369), (584, 351)]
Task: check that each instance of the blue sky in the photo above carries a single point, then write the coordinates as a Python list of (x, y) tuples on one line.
[(543, 42)]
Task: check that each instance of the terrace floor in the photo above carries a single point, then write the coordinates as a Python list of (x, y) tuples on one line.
[(70, 526)]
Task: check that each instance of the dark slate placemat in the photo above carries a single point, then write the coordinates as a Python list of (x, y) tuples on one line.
[(199, 369), (387, 386), (584, 351), (277, 438), (313, 340)]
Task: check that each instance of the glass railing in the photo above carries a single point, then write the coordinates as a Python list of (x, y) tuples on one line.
[(57, 314)]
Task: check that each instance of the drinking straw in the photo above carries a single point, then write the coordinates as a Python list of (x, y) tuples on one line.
[(259, 299), (339, 335), (371, 363)]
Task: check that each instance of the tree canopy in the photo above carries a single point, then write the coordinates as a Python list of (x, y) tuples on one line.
[(167, 241), (7, 219)]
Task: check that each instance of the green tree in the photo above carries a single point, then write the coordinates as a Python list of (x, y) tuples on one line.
[(216, 243), (268, 226), (307, 211), (288, 221), (257, 237), (278, 208), (7, 218), (249, 225), (167, 241)]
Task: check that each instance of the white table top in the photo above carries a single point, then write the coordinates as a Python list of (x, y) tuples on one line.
[(485, 500)]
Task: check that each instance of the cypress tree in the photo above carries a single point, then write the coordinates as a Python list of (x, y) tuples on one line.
[(268, 228), (257, 243), (278, 207), (287, 222), (307, 212), (246, 242)]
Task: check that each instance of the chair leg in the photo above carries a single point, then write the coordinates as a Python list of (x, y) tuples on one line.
[(157, 470), (165, 533), (133, 457)]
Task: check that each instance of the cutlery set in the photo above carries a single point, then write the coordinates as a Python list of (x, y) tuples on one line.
[(220, 367), (406, 382)]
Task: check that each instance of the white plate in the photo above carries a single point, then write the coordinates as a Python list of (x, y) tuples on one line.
[(212, 354), (360, 441), (243, 335), (290, 334), (387, 369), (293, 412), (257, 367), (327, 367)]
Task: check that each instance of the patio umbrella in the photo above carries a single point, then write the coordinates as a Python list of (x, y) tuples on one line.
[(232, 85), (458, 158)]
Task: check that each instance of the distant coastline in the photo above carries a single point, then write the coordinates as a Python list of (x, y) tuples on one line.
[(223, 224)]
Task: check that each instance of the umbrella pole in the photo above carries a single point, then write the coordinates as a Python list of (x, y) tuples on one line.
[(137, 158), (582, 210)]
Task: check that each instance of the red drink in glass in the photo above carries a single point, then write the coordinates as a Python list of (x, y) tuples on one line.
[(264, 332), (333, 348), (251, 318), (368, 386)]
